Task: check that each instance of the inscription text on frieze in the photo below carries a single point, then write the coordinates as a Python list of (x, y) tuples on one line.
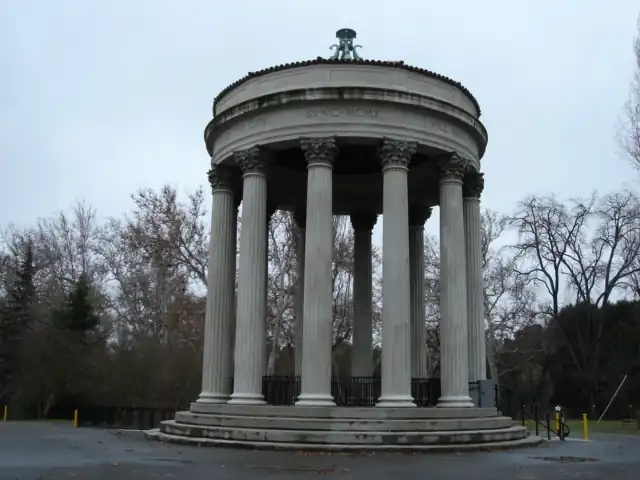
[(342, 112), (444, 128)]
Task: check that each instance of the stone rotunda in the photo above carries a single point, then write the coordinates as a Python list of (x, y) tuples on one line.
[(345, 136)]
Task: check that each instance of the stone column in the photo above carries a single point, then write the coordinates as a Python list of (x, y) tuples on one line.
[(250, 351), (300, 219), (396, 356), (417, 216), (473, 186), (362, 349), (317, 332), (454, 363), (217, 365)]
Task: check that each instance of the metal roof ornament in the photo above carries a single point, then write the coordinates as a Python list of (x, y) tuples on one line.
[(345, 49)]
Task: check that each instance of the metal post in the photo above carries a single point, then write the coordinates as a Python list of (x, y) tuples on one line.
[(548, 427)]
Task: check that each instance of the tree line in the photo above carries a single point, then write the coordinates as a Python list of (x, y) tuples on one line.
[(111, 312)]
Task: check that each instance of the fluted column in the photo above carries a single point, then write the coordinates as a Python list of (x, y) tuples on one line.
[(217, 365), (473, 186), (417, 216), (317, 332), (300, 219), (250, 351), (396, 357), (454, 362), (362, 350)]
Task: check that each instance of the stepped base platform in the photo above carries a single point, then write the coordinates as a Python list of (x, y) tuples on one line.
[(343, 428)]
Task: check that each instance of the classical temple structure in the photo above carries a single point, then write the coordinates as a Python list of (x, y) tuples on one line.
[(346, 136)]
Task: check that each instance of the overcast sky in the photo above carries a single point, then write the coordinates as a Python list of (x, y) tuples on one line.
[(98, 99)]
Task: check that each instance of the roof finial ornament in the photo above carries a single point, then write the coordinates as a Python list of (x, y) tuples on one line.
[(345, 49)]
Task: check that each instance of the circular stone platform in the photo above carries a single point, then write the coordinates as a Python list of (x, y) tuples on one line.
[(343, 428)]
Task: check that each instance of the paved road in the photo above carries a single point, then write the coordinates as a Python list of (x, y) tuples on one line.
[(47, 451)]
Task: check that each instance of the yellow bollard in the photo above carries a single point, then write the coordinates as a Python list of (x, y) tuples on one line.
[(557, 421), (585, 426), (75, 418), (5, 414)]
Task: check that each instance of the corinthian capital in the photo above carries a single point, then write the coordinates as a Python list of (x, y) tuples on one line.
[(419, 214), (396, 153), (251, 160), (222, 177), (363, 221), (473, 185), (321, 151), (454, 166)]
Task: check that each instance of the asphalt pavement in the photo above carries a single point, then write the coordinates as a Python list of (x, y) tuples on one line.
[(47, 451)]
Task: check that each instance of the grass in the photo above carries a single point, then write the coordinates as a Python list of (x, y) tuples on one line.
[(605, 426)]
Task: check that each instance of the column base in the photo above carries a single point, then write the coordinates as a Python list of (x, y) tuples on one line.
[(395, 401), (455, 401), (215, 398), (247, 399), (315, 400)]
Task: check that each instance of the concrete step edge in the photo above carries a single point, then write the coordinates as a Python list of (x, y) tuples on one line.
[(489, 431), (156, 435), (344, 419)]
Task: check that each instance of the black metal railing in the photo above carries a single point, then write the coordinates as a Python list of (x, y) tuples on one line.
[(349, 391), (553, 423)]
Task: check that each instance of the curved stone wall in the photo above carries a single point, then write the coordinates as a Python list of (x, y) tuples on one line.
[(346, 75), (358, 102)]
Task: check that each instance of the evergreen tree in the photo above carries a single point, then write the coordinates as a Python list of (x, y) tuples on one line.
[(15, 317), (77, 314)]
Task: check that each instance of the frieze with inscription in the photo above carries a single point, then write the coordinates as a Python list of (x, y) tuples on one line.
[(259, 122), (343, 112), (445, 128)]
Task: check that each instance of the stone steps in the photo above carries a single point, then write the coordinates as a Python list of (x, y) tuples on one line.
[(343, 428), (342, 424), (527, 441), (338, 437), (369, 413)]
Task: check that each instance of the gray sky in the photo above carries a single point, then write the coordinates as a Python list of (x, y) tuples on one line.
[(100, 98)]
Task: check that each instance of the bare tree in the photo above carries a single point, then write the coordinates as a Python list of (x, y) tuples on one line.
[(163, 226), (546, 230), (342, 280), (616, 244), (432, 302), (282, 282)]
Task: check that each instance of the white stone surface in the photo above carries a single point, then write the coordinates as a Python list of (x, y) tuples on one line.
[(217, 365), (347, 75), (396, 355), (318, 328), (362, 350), (475, 287), (416, 294), (378, 117), (250, 347), (453, 289), (233, 272)]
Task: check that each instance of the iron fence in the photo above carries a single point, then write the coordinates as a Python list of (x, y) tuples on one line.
[(348, 391)]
